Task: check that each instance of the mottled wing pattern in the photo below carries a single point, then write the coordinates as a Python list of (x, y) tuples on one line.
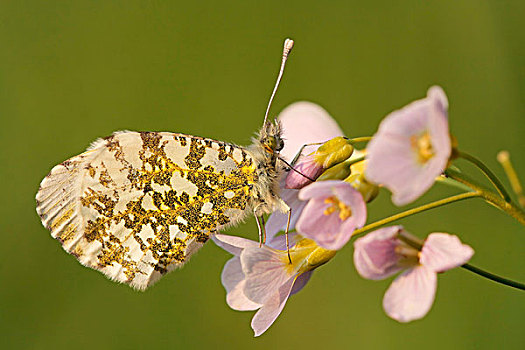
[(137, 205)]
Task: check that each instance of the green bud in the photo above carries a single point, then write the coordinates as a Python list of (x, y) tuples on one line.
[(337, 172), (333, 152), (319, 256), (368, 190)]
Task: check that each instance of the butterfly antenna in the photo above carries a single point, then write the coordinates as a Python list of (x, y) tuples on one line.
[(297, 171), (288, 45)]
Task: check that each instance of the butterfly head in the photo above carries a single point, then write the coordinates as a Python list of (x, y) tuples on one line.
[(270, 137)]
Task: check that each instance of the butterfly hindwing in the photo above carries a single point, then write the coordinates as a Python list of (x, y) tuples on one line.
[(137, 205)]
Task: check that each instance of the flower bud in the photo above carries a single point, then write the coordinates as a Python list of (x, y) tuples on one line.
[(368, 190), (334, 151), (337, 172), (331, 153), (307, 168)]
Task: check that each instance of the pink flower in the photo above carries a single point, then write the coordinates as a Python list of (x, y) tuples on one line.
[(262, 277), (334, 210), (411, 148), (386, 251), (302, 123)]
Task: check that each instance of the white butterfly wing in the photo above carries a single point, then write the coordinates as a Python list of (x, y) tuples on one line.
[(137, 205)]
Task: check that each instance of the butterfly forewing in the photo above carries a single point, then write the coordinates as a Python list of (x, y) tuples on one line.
[(137, 205)]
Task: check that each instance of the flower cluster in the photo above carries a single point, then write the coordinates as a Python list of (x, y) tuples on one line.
[(328, 194)]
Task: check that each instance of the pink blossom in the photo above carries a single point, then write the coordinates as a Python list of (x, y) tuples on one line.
[(388, 250), (261, 278), (334, 210), (411, 148)]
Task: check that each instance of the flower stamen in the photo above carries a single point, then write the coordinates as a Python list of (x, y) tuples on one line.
[(406, 251), (336, 205), (422, 144)]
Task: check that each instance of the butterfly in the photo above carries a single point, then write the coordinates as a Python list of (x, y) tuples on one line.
[(137, 205)]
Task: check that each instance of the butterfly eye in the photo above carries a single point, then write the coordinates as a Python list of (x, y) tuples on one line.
[(280, 144), (270, 142)]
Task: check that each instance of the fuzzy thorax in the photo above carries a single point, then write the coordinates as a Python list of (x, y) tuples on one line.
[(265, 151)]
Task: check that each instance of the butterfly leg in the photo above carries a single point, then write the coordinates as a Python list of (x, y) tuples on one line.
[(284, 208), (286, 234), (261, 227), (298, 154), (262, 230)]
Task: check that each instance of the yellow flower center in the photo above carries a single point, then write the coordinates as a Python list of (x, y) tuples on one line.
[(336, 205), (422, 144)]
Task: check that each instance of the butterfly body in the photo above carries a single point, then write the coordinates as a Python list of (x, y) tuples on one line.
[(137, 205)]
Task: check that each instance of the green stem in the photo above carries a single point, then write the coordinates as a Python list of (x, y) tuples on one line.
[(504, 159), (355, 160), (488, 173), (509, 208), (360, 139), (413, 211), (494, 277), (453, 183)]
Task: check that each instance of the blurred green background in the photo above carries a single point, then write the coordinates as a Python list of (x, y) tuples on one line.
[(72, 71)]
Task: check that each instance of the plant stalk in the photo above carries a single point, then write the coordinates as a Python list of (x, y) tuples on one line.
[(491, 198), (488, 173), (417, 210)]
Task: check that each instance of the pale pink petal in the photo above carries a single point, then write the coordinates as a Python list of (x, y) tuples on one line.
[(305, 122), (233, 244), (273, 306), (233, 281), (442, 252), (265, 270), (374, 254), (329, 231), (438, 95), (393, 162), (411, 295), (308, 168), (416, 115), (320, 189), (410, 119), (301, 281), (313, 222), (232, 274), (279, 242)]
